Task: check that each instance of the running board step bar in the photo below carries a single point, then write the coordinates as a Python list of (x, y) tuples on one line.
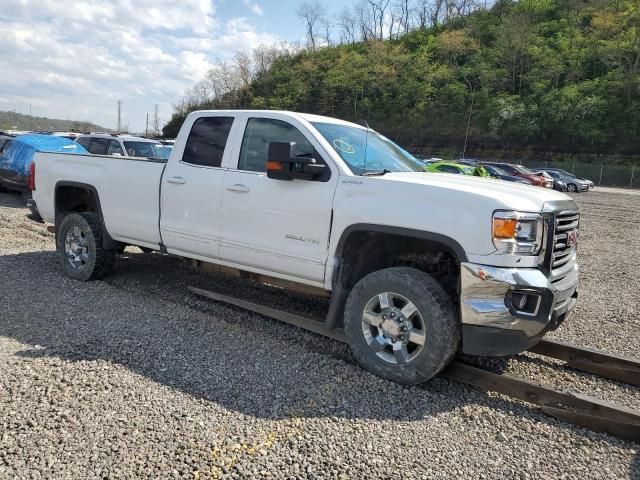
[(582, 410), (298, 321), (590, 360)]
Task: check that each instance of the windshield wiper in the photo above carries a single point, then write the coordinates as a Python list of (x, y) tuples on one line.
[(376, 173)]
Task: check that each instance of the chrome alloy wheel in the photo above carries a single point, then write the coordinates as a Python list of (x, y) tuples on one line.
[(393, 328), (76, 247)]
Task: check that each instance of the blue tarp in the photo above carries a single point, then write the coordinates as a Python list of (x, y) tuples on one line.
[(18, 155)]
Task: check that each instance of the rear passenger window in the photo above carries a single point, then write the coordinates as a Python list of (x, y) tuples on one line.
[(84, 141), (207, 140), (98, 146)]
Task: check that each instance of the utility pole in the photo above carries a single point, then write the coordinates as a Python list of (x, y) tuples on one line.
[(156, 121), (119, 117), (146, 127)]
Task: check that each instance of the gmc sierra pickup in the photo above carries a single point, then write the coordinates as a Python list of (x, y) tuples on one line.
[(418, 265)]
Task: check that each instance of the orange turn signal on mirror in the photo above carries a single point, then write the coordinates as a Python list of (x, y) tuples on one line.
[(274, 165), (504, 227)]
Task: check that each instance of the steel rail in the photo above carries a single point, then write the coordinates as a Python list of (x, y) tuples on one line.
[(590, 360), (582, 410)]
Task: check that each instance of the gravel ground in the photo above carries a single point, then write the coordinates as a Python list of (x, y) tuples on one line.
[(135, 377)]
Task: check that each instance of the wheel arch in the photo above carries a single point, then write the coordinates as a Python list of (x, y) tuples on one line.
[(72, 196), (351, 264)]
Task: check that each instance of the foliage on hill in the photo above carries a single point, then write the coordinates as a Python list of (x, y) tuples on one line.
[(561, 74), (18, 121)]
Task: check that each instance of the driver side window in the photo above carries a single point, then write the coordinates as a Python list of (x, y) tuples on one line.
[(257, 136)]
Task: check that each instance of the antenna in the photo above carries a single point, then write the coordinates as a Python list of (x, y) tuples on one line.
[(364, 123)]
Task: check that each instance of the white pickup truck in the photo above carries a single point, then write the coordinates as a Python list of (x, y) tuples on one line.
[(418, 265)]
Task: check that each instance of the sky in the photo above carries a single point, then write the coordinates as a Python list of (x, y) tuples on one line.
[(76, 59)]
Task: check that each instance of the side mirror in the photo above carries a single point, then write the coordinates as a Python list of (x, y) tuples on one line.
[(284, 164)]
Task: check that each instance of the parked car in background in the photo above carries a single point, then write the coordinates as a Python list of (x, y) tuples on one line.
[(467, 161), (558, 184), (428, 161), (168, 143), (574, 183), (16, 157), (69, 135), (458, 168), (497, 172), (522, 172), (4, 138), (123, 146)]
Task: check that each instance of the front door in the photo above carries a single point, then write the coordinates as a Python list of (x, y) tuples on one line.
[(281, 227), (190, 217)]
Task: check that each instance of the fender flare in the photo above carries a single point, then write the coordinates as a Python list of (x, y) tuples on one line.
[(339, 291), (449, 242)]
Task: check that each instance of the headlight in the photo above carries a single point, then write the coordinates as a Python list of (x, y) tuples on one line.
[(517, 232)]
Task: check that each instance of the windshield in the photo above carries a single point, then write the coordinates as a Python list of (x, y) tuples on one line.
[(147, 149), (381, 153)]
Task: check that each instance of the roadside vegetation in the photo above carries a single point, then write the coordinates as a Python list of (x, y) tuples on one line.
[(559, 75), (19, 121)]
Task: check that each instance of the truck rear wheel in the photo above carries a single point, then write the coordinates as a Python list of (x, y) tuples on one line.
[(79, 245), (401, 325)]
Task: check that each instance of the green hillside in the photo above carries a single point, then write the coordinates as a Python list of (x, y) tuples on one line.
[(556, 75), (18, 121)]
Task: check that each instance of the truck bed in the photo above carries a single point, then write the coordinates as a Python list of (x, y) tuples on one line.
[(128, 189)]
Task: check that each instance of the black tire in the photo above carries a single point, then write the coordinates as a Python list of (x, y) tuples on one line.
[(439, 315), (571, 187), (99, 261)]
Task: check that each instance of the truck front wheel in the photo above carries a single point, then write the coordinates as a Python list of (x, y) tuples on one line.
[(79, 245), (401, 325)]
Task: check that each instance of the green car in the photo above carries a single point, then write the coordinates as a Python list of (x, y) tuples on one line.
[(459, 168)]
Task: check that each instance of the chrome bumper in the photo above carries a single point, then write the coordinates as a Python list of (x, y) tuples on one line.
[(493, 325)]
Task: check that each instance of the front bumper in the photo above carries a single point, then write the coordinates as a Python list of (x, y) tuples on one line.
[(491, 322)]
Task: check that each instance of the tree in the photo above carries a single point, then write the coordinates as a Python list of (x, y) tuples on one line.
[(311, 13), (347, 25)]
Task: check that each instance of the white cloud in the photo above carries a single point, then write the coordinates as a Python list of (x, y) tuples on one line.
[(81, 57), (253, 6)]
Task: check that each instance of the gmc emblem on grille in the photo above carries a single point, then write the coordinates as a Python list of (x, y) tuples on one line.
[(572, 237)]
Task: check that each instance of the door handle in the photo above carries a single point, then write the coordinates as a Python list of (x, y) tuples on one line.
[(176, 180), (238, 188)]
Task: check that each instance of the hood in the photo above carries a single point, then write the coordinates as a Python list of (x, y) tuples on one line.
[(511, 195)]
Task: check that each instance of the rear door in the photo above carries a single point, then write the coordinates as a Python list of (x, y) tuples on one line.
[(191, 188), (275, 226)]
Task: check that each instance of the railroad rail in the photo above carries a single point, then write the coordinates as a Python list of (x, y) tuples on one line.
[(579, 409)]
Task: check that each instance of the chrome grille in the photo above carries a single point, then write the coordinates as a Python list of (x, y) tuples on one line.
[(565, 225)]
